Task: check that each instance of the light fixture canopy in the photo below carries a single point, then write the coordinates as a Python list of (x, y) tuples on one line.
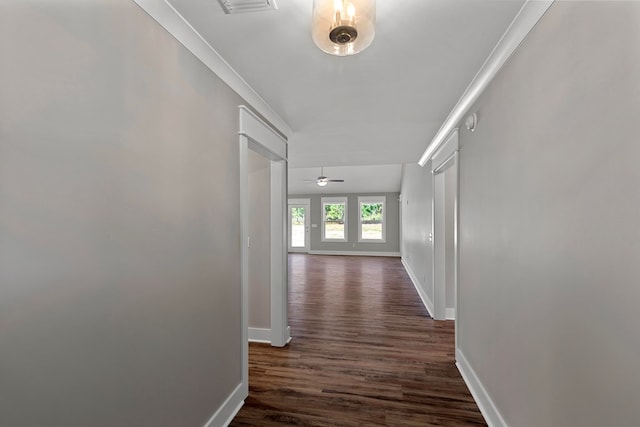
[(343, 27)]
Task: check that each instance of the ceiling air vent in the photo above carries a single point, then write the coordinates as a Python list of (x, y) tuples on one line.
[(243, 6)]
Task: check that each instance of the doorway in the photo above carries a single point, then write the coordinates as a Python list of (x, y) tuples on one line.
[(445, 228), (257, 136), (299, 222)]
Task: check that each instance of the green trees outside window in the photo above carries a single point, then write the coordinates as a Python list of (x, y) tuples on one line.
[(371, 213), (334, 218), (371, 219)]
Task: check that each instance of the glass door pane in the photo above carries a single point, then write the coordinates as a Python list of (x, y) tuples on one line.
[(298, 234)]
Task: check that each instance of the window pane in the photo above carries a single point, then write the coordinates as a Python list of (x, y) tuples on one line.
[(297, 227), (334, 221), (334, 211), (371, 220), (333, 230)]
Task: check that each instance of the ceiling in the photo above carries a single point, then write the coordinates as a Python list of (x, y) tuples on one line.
[(357, 179), (379, 107)]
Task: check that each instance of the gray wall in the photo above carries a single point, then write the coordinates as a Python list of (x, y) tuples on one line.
[(119, 225), (259, 186), (549, 215), (417, 250), (392, 243)]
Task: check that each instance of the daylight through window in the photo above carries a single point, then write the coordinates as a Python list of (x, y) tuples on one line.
[(371, 219), (334, 218)]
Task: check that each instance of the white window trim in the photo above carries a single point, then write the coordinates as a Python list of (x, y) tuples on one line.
[(324, 200), (372, 199)]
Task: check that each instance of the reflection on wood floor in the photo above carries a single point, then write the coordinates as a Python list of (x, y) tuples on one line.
[(364, 352)]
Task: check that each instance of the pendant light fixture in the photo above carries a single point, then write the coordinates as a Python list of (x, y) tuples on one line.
[(343, 27)]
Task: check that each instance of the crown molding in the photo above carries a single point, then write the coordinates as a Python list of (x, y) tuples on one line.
[(171, 20), (522, 24)]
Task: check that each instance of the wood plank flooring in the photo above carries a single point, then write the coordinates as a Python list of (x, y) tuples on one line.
[(364, 353)]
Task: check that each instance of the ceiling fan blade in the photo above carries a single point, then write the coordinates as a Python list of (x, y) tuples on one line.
[(335, 180), (310, 180)]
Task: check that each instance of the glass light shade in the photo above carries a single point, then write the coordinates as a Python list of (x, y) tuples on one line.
[(343, 27), (322, 182)]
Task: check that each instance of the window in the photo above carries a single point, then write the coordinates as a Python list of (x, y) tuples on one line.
[(371, 219), (334, 219)]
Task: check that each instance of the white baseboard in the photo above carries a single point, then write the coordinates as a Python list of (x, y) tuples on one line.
[(491, 414), (450, 314), (416, 283), (356, 253), (225, 414), (260, 335), (263, 335)]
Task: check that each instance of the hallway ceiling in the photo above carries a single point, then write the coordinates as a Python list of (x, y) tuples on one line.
[(381, 106)]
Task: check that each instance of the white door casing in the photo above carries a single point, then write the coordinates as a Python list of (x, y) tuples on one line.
[(258, 136), (444, 159)]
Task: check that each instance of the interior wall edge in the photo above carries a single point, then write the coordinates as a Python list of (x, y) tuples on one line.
[(488, 409), (228, 410)]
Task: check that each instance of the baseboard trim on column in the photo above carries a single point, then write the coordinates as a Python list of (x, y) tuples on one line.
[(260, 335)]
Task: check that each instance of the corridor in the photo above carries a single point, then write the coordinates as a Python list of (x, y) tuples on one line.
[(364, 352)]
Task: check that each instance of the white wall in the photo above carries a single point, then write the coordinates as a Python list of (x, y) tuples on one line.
[(549, 216), (119, 225), (259, 186), (416, 249)]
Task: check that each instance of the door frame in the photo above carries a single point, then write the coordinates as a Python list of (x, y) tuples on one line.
[(256, 135), (446, 157), (307, 224)]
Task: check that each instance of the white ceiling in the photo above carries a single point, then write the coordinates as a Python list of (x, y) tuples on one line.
[(357, 179), (379, 107)]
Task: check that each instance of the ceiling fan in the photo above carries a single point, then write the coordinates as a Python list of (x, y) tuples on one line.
[(322, 180)]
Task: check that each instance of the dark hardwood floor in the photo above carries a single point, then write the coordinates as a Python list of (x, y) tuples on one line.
[(364, 353)]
